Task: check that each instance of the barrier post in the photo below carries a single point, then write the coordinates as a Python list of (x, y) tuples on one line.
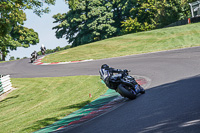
[(189, 20), (5, 84)]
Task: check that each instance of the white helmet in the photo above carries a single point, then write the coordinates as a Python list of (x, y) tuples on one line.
[(42, 45)]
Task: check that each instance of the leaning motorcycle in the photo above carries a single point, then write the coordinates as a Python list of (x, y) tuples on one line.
[(124, 84), (33, 57), (43, 52)]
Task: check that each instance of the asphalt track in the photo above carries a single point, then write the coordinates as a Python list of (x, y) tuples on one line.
[(171, 103)]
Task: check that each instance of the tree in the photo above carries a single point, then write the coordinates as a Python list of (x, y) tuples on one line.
[(12, 32), (151, 14), (121, 12), (57, 49), (143, 16), (89, 22), (93, 20), (12, 58)]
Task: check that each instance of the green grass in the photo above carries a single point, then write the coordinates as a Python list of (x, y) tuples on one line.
[(3, 61), (39, 102), (137, 43)]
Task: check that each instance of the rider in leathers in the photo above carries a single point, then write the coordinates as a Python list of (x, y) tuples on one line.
[(107, 73), (34, 55), (43, 49)]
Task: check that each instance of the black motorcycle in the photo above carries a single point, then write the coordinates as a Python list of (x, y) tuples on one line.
[(33, 57), (43, 52), (122, 83)]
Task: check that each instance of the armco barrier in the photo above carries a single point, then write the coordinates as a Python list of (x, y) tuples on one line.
[(185, 21), (5, 84), (178, 23)]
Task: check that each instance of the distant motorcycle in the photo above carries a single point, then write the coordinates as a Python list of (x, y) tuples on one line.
[(33, 56), (43, 49), (122, 83), (43, 52)]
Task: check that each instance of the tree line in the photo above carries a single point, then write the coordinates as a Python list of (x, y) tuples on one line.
[(13, 33), (48, 51), (93, 20), (87, 20), (57, 49)]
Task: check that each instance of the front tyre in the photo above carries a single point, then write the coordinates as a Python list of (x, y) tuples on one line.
[(142, 90), (126, 91)]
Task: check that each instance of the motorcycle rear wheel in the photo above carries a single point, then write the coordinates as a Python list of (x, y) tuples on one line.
[(125, 91)]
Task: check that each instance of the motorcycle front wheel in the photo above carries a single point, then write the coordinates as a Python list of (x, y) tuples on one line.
[(126, 91), (142, 90)]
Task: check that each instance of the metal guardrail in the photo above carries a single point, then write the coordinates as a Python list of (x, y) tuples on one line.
[(5, 83), (178, 23), (184, 22)]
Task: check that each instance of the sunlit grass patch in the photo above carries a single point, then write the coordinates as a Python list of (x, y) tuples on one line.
[(38, 102), (137, 43)]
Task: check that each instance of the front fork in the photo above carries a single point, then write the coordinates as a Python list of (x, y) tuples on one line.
[(137, 88)]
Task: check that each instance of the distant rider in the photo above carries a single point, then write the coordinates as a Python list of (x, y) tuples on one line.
[(107, 73), (43, 49), (34, 55)]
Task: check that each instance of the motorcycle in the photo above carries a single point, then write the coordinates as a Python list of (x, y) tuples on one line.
[(33, 57), (43, 52), (124, 84)]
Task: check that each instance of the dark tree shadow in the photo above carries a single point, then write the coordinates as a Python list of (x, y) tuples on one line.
[(172, 107), (9, 98), (86, 106), (75, 106), (48, 122), (41, 123)]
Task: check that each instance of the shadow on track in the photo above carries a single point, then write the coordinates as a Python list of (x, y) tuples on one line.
[(169, 108), (173, 107)]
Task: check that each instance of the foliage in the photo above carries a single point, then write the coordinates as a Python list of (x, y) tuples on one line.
[(12, 58), (135, 43), (89, 22), (72, 3), (93, 20), (121, 12), (133, 26), (151, 14), (12, 32), (48, 51)]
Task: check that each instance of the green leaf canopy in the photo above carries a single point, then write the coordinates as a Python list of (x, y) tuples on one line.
[(12, 32), (91, 20)]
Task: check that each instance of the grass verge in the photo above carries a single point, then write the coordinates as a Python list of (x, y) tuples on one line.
[(39, 102), (137, 43)]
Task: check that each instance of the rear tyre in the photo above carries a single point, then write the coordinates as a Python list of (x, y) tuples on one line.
[(126, 91)]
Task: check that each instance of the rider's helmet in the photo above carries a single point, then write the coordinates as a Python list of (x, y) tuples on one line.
[(42, 46), (104, 66)]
